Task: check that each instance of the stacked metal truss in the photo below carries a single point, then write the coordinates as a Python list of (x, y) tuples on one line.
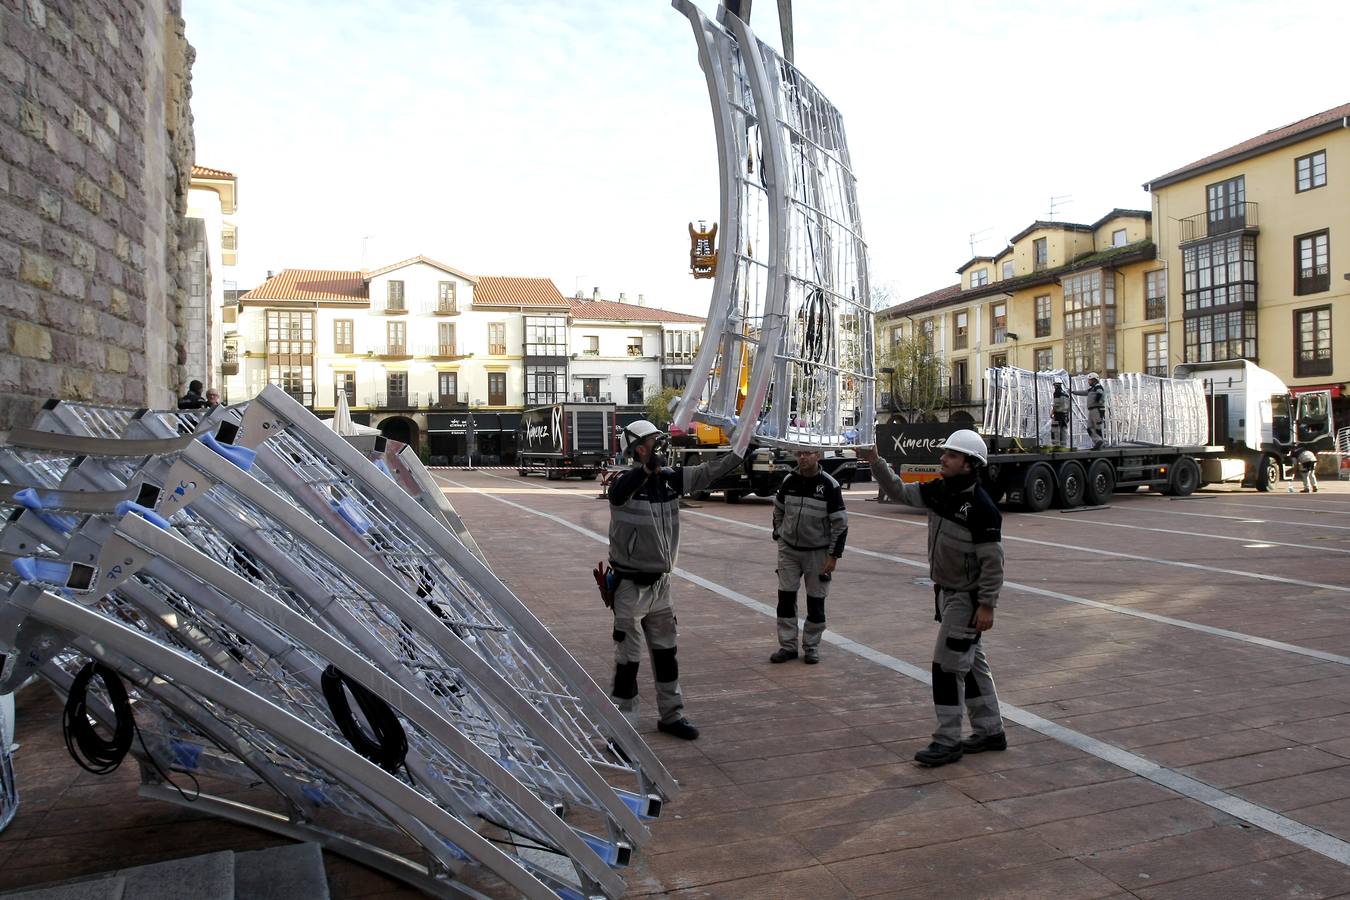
[(1140, 409), (787, 357), (221, 564)]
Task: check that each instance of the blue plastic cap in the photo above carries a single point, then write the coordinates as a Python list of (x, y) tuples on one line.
[(149, 515), (241, 457)]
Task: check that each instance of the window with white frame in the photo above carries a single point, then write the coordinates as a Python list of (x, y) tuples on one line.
[(1310, 171)]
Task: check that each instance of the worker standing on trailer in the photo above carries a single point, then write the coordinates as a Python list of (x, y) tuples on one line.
[(1059, 416), (965, 562), (810, 527), (644, 540), (1096, 408)]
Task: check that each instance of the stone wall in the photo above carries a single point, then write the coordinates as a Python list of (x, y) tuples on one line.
[(95, 156)]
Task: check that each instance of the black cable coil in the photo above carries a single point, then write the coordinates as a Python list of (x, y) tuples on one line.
[(93, 752), (390, 746)]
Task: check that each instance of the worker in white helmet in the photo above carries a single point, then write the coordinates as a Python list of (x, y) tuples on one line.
[(1096, 408), (644, 539), (965, 562), (1059, 416)]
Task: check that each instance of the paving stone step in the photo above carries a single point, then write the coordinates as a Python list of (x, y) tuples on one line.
[(288, 872)]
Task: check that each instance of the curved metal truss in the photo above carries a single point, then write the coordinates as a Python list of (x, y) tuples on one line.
[(222, 563), (788, 355)]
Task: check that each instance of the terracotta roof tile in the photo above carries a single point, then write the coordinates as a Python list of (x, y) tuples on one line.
[(311, 284), (1323, 121), (502, 290), (207, 172), (1119, 213), (422, 259), (602, 310), (919, 304)]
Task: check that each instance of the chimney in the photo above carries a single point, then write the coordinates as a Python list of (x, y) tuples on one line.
[(269, 273), (595, 293), (642, 300), (623, 298), (581, 295)]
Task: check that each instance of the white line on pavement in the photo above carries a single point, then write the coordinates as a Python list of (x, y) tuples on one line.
[(1097, 551), (1317, 841), (1218, 500), (1244, 519), (1199, 534)]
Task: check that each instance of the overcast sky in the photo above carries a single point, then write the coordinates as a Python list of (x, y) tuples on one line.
[(573, 139)]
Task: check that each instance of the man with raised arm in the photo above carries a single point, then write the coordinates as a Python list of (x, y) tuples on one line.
[(965, 562)]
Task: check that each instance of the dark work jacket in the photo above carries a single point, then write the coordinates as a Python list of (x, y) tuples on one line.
[(965, 532), (644, 515), (808, 513)]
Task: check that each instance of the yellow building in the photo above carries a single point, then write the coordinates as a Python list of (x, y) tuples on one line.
[(1060, 295), (1257, 238)]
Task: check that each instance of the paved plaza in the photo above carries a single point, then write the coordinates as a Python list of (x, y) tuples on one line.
[(1175, 677)]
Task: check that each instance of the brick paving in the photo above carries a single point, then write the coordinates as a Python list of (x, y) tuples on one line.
[(803, 784)]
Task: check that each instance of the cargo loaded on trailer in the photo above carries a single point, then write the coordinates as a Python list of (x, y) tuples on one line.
[(566, 439), (1252, 425)]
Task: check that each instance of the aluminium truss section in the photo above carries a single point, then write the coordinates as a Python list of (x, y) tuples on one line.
[(142, 660), (741, 325), (402, 464), (822, 391), (257, 536), (1019, 405), (366, 511), (810, 381), (226, 634)]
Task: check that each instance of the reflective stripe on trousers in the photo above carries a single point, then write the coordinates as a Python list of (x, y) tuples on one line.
[(961, 675)]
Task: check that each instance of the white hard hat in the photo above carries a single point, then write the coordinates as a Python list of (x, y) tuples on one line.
[(968, 442), (1093, 376), (635, 433)]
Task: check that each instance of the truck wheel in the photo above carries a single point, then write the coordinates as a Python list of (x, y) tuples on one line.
[(699, 495), (553, 474), (1185, 477), (733, 496), (1268, 475), (1038, 489), (1070, 485), (522, 472), (1101, 481)]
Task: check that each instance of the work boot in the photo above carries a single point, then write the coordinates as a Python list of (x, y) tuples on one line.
[(936, 754), (811, 656), (782, 655), (978, 743), (680, 728)]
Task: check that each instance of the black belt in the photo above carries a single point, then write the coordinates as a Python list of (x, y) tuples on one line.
[(645, 579)]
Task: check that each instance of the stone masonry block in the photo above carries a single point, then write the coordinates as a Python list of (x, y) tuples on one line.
[(70, 282), (41, 379), (37, 270), (37, 13), (88, 194), (120, 305), (30, 340), (117, 184), (20, 225), (13, 68), (89, 354), (9, 372), (77, 385), (82, 125), (88, 321), (9, 259), (83, 254), (31, 120), (49, 202), (123, 247), (118, 360), (18, 300)]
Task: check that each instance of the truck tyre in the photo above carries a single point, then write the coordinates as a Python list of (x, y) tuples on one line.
[(1070, 485), (699, 495), (733, 496), (1101, 482), (1184, 477), (522, 472), (553, 474), (1038, 488), (991, 479), (1268, 475)]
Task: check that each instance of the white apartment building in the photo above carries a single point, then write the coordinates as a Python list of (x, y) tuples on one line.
[(430, 354), (623, 352), (212, 197)]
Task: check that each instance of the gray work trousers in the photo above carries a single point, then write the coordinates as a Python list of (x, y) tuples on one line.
[(645, 611), (1095, 424), (794, 567), (961, 676), (1309, 476)]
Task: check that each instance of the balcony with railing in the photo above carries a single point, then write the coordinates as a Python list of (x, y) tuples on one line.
[(544, 398), (450, 401), (440, 350), (386, 350), (229, 357), (406, 400), (445, 308), (634, 350), (592, 398), (392, 306), (1226, 219)]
